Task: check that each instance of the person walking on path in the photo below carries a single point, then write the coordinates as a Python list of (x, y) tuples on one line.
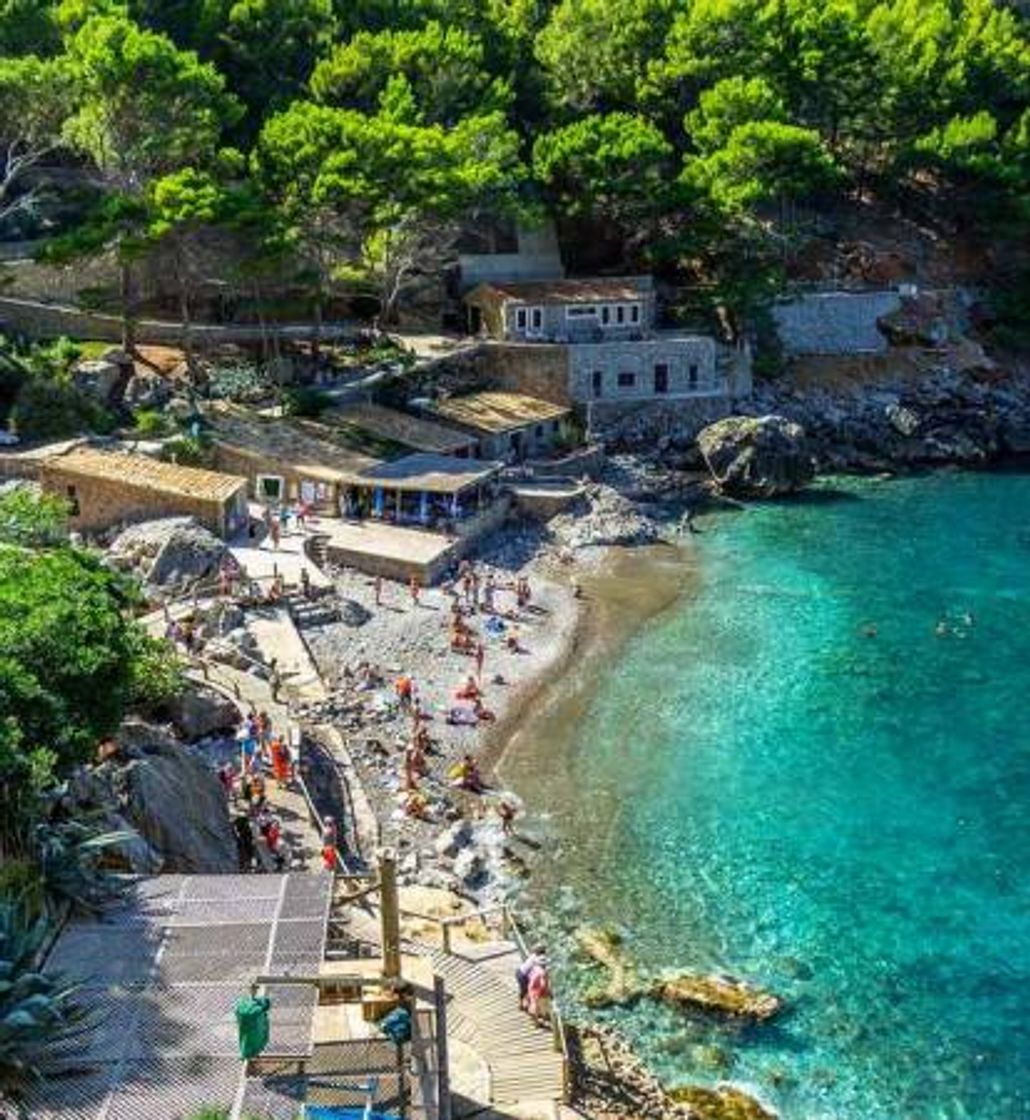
[(538, 994), (244, 835), (537, 958)]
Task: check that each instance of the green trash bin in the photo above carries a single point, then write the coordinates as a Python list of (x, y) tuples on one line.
[(252, 1024)]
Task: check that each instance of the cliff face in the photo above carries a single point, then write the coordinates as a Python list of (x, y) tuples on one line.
[(167, 795)]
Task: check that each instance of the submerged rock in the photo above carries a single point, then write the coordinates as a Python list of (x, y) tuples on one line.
[(725, 1102), (718, 993), (757, 456)]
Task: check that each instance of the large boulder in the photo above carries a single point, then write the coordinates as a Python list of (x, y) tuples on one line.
[(169, 554), (99, 377), (757, 456), (200, 711), (168, 796)]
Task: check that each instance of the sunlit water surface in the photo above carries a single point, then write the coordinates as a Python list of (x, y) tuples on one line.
[(761, 785)]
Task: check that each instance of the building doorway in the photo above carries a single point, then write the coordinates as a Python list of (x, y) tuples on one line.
[(597, 383), (661, 378)]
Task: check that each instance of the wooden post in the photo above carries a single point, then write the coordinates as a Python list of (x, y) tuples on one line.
[(445, 935), (443, 1084), (390, 915)]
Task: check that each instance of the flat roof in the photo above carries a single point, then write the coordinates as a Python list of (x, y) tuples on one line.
[(496, 411), (438, 474), (161, 974), (596, 289), (414, 431), (143, 472)]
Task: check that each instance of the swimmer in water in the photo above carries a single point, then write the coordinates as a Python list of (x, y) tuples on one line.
[(942, 629)]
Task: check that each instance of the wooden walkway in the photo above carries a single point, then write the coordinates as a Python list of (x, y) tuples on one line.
[(483, 1013), (522, 1063)]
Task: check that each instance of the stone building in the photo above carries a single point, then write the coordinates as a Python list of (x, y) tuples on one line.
[(595, 340), (108, 488), (507, 426)]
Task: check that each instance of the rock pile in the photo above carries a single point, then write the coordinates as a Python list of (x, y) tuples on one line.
[(608, 518)]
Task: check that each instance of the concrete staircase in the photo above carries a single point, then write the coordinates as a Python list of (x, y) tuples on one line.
[(307, 613)]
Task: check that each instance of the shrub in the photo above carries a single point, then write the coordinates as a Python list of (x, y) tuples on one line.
[(50, 409), (31, 519), (188, 451), (305, 401), (37, 1010), (150, 423)]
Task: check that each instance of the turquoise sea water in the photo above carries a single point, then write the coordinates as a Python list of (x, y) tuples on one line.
[(760, 787)]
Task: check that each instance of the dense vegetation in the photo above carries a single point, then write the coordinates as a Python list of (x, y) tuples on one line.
[(347, 141)]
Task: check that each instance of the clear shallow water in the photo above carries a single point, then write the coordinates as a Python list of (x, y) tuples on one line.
[(759, 787)]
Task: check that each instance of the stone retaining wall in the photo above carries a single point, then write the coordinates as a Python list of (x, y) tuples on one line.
[(51, 320), (641, 423)]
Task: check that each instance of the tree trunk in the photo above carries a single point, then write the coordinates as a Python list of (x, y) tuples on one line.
[(316, 337), (128, 310), (187, 332)]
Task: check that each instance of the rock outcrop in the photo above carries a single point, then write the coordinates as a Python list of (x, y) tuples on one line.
[(167, 795), (758, 457), (198, 711), (720, 995), (169, 554)]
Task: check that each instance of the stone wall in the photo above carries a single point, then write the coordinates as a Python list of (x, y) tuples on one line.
[(538, 369), (37, 319), (105, 503), (642, 423), (834, 322), (690, 362)]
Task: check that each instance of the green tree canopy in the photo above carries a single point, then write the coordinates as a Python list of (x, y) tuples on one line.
[(443, 66), (269, 49), (144, 107), (729, 104), (36, 97), (593, 51), (66, 650), (613, 166), (762, 161)]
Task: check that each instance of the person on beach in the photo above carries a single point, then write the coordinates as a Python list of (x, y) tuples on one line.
[(489, 587), (275, 532), (415, 588), (506, 811), (469, 777), (329, 857), (329, 834), (404, 687), (480, 657), (280, 763), (536, 959)]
